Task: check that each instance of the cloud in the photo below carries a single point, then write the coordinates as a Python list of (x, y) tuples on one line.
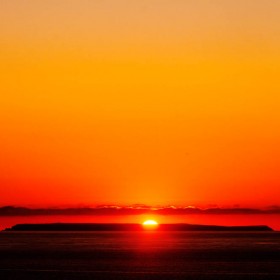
[(132, 210)]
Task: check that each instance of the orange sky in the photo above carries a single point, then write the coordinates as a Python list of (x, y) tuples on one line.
[(152, 101)]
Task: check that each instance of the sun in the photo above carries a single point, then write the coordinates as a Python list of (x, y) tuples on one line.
[(150, 224)]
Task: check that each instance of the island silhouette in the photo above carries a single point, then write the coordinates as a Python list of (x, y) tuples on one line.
[(131, 227)]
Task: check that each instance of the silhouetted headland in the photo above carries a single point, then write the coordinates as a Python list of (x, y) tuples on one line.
[(131, 227)]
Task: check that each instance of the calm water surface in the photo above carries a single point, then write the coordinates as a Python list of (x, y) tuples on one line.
[(139, 255)]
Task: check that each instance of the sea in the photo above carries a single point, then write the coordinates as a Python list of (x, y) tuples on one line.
[(139, 255)]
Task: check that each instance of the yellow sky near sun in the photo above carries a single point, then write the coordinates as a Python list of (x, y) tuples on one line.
[(155, 102)]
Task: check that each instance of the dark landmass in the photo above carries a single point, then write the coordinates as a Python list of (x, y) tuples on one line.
[(131, 227), (132, 210)]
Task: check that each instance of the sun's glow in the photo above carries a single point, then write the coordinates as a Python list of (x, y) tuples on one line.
[(150, 223)]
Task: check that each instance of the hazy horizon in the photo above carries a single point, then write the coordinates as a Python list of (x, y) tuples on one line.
[(10, 216)]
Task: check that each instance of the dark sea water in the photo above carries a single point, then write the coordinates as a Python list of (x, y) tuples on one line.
[(139, 255)]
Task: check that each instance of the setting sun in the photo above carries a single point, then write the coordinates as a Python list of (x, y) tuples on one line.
[(150, 223)]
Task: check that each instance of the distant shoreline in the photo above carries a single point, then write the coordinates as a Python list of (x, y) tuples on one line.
[(131, 227)]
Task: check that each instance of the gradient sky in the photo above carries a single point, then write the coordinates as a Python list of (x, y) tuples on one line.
[(151, 101)]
